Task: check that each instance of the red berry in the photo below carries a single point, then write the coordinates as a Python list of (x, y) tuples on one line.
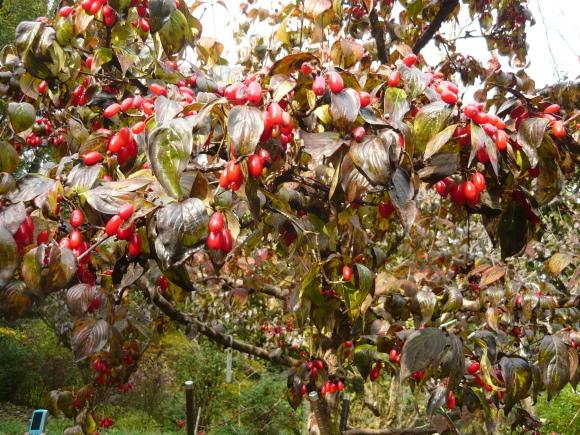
[(558, 129), (386, 209), (410, 60), (216, 222), (346, 273), (394, 79), (470, 111), (457, 195), (112, 110), (65, 11), (113, 225), (440, 186), (255, 165), (139, 127), (449, 97), (42, 237), (479, 181), (125, 231), (469, 190), (348, 343), (359, 133), (365, 98), (135, 244), (158, 89), (335, 82), (126, 211), (76, 239), (451, 400), (214, 240), (77, 218), (319, 86), (163, 283), (501, 140), (473, 368), (534, 172), (306, 68), (92, 158), (319, 364), (393, 354), (254, 93), (227, 240), (552, 108), (42, 87), (275, 112)]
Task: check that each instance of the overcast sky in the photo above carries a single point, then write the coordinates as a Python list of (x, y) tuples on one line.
[(554, 40)]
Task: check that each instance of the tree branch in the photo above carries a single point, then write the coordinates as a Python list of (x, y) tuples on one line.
[(174, 314), (423, 430), (446, 8), (378, 32)]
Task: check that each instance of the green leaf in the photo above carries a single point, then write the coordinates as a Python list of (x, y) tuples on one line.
[(245, 126), (159, 12), (89, 336), (97, 141), (30, 186), (558, 262), (176, 34), (169, 150), (437, 399), (8, 158), (291, 63), (414, 79), (517, 375), (126, 57), (550, 179), (21, 115), (424, 304), (396, 103), (101, 57), (420, 348), (8, 256), (180, 226), (457, 362), (354, 183), (344, 107), (25, 35), (79, 298), (514, 230), (320, 145), (119, 5), (363, 358), (554, 364), (372, 157), (428, 122), (44, 278), (166, 110), (530, 135), (439, 141), (15, 299)]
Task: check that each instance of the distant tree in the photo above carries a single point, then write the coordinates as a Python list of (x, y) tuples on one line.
[(13, 12)]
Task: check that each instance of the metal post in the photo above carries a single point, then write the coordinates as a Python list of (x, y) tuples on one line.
[(189, 407), (344, 414), (318, 413)]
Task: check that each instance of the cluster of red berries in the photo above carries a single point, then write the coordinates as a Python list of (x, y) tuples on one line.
[(218, 236), (163, 283), (313, 366), (106, 422), (94, 305), (278, 330), (289, 232), (42, 127), (277, 124), (248, 92), (376, 371), (467, 192), (79, 97), (24, 235)]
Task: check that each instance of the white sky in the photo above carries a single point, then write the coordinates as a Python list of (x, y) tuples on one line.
[(554, 40)]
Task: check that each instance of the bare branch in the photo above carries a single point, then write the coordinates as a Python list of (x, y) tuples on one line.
[(446, 8), (173, 313), (378, 32)]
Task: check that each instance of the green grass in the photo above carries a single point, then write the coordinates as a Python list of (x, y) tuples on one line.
[(557, 414), (56, 427)]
